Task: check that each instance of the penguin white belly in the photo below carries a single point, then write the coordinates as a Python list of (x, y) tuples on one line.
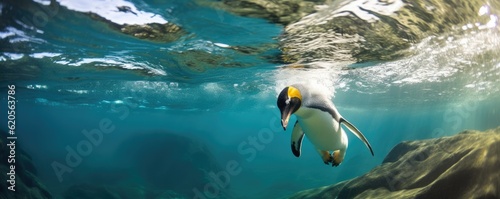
[(321, 129)]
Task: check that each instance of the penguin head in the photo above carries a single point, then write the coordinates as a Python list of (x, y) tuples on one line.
[(289, 101)]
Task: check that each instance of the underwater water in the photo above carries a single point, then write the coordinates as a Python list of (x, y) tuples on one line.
[(143, 117)]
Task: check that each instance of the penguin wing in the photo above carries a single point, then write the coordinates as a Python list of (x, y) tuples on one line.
[(297, 136), (356, 132)]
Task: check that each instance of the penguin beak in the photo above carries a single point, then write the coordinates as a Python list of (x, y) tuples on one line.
[(285, 116), (287, 111)]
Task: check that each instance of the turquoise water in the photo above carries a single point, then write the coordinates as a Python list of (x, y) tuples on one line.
[(73, 74)]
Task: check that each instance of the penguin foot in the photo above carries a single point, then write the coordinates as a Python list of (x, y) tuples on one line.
[(336, 160), (327, 158)]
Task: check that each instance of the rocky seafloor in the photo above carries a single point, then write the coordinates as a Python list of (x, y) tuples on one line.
[(465, 165), (27, 184), (139, 161)]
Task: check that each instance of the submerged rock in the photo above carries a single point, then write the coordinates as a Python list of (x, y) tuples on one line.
[(153, 31), (166, 161), (27, 184), (166, 32), (200, 61), (277, 11), (86, 191), (152, 165), (358, 31), (462, 166), (159, 32)]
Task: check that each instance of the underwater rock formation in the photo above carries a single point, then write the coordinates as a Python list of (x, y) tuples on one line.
[(167, 161), (86, 191), (27, 184), (158, 32), (461, 166), (277, 11), (166, 32), (199, 61), (153, 31), (361, 31), (150, 165)]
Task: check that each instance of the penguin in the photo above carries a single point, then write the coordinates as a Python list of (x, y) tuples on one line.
[(318, 119)]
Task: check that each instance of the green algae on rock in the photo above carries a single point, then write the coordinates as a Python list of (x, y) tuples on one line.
[(460, 166)]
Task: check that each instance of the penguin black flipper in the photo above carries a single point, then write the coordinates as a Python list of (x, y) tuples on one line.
[(297, 137), (356, 132)]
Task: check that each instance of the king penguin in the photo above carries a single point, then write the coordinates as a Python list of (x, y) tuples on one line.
[(319, 120)]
